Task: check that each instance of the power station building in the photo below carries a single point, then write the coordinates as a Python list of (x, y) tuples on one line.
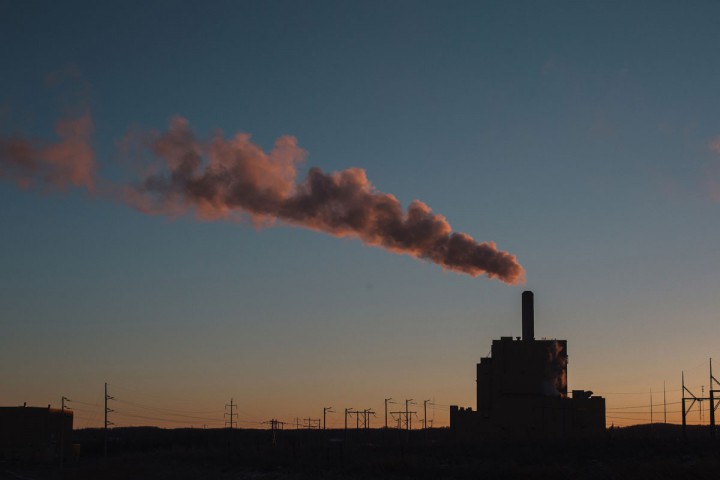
[(35, 433), (522, 392)]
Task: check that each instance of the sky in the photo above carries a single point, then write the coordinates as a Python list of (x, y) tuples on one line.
[(581, 137)]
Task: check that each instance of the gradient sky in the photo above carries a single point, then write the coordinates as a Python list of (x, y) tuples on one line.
[(576, 135)]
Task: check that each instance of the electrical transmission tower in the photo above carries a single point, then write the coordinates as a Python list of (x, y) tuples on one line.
[(714, 384), (275, 425), (357, 418), (62, 429), (232, 422), (366, 417), (714, 401), (350, 412), (312, 423), (107, 422), (404, 418)]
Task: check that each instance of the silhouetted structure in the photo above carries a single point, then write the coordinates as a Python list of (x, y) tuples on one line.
[(522, 391), (689, 399), (33, 433)]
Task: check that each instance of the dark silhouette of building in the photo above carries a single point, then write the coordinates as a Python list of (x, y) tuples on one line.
[(35, 433), (522, 391)]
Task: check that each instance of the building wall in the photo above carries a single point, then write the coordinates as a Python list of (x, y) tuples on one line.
[(484, 386), (522, 393), (532, 418), (528, 368), (34, 433)]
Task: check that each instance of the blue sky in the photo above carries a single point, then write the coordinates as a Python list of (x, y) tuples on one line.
[(573, 134)]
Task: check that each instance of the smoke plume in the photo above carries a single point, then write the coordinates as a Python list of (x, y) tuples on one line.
[(225, 178), (555, 383), (714, 144), (67, 162)]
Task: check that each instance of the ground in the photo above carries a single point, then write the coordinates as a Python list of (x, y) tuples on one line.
[(139, 454)]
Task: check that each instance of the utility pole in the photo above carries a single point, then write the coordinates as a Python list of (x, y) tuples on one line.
[(387, 400), (346, 415), (232, 414), (651, 409), (107, 423), (62, 429), (350, 411), (325, 411), (664, 405), (684, 412), (425, 402), (713, 384), (407, 413)]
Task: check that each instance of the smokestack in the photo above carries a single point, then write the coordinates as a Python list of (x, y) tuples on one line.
[(528, 316)]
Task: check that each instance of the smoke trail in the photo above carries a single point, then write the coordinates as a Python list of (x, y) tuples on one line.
[(222, 178), (67, 162)]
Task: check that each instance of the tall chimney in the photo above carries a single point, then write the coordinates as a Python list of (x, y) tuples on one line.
[(528, 316)]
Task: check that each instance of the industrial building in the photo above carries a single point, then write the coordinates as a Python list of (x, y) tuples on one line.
[(35, 433), (522, 391)]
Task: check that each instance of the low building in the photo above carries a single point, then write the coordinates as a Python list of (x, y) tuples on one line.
[(522, 392), (35, 433)]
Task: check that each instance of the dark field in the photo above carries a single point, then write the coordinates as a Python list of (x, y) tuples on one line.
[(151, 453)]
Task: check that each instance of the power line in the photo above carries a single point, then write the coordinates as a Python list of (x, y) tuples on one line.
[(166, 411), (165, 420), (643, 406)]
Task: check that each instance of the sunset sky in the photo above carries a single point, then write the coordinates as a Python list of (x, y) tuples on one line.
[(581, 137)]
